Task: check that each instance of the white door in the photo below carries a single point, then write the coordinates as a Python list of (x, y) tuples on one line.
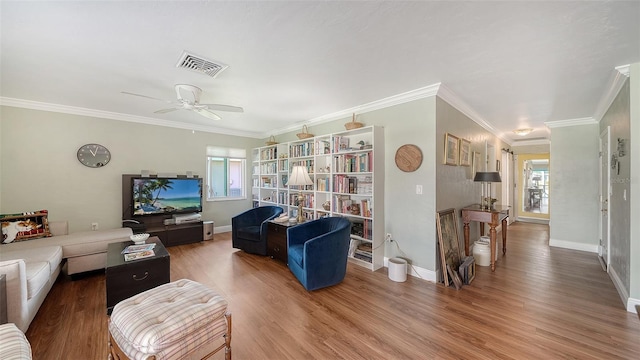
[(605, 192), (506, 173)]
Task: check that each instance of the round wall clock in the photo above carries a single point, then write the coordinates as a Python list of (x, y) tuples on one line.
[(408, 158), (94, 155)]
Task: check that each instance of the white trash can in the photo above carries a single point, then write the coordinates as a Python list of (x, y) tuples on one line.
[(398, 269)]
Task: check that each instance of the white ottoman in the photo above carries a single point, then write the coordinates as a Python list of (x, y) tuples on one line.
[(13, 344), (179, 320)]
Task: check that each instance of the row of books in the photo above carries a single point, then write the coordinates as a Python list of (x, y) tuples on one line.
[(323, 147), (345, 184), (353, 162), (345, 205), (307, 200), (283, 165), (268, 168), (322, 184), (298, 150), (307, 163), (361, 250), (362, 228), (269, 154), (352, 185)]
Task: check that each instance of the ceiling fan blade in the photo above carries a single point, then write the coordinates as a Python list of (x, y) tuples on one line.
[(221, 107), (148, 97), (164, 111), (207, 113)]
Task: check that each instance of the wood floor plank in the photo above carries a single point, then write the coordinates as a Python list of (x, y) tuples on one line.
[(540, 303)]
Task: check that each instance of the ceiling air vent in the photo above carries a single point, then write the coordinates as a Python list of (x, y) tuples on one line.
[(200, 64)]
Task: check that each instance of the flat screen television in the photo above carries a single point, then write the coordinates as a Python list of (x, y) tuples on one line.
[(162, 196)]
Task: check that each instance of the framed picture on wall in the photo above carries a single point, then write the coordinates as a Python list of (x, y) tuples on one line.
[(465, 152), (450, 149)]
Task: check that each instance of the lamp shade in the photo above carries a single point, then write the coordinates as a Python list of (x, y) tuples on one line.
[(299, 176), (488, 176)]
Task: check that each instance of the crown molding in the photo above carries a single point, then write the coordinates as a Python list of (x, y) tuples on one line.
[(517, 143), (447, 95), (624, 69), (65, 109), (420, 93), (615, 84), (570, 122)]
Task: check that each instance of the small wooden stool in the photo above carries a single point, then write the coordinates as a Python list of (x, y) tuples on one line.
[(178, 320)]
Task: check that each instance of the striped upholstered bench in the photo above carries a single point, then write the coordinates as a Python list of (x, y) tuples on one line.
[(179, 320), (13, 344)]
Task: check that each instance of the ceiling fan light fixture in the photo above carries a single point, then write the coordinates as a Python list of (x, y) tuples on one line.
[(523, 132)]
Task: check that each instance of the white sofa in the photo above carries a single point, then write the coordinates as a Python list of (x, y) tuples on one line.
[(32, 266)]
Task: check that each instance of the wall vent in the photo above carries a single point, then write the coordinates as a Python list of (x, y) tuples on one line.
[(199, 64)]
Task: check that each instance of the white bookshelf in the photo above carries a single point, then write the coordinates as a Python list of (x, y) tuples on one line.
[(347, 176)]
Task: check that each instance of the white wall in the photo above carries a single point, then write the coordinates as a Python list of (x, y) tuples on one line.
[(573, 175), (40, 169)]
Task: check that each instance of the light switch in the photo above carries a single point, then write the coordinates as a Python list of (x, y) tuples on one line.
[(419, 189)]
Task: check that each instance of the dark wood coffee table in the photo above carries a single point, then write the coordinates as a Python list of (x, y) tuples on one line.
[(127, 278)]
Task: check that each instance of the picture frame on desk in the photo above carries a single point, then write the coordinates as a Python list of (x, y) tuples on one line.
[(451, 152)]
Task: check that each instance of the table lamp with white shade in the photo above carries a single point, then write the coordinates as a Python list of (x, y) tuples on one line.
[(299, 177)]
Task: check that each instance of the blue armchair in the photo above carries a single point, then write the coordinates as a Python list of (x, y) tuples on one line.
[(318, 251), (249, 229)]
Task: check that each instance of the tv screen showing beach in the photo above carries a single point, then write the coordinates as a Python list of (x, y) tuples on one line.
[(166, 196)]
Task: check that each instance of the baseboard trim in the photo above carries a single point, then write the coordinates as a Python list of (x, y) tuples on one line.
[(617, 282), (532, 220), (221, 229), (417, 271), (631, 305), (573, 245)]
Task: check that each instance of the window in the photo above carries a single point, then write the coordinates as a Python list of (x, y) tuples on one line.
[(225, 173)]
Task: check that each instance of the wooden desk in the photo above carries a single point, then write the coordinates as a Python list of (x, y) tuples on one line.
[(493, 217)]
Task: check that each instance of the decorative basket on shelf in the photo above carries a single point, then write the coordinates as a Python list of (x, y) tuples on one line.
[(353, 124), (272, 140), (304, 134)]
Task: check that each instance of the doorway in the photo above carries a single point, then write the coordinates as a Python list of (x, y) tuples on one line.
[(534, 194)]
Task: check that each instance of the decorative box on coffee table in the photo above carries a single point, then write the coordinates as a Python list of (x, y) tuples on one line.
[(127, 278)]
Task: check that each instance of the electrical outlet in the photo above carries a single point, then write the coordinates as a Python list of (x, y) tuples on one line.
[(388, 237), (419, 189), (94, 226)]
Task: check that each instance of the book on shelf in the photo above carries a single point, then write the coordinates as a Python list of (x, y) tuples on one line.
[(137, 248), (363, 255), (353, 245), (139, 255)]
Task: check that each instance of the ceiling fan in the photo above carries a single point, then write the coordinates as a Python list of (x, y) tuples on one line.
[(188, 98)]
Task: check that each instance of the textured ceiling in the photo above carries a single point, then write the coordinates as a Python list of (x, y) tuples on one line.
[(512, 64)]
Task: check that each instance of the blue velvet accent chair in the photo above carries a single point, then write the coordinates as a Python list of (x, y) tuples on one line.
[(318, 251), (249, 229)]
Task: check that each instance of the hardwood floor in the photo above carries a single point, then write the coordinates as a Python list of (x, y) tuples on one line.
[(541, 303)]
